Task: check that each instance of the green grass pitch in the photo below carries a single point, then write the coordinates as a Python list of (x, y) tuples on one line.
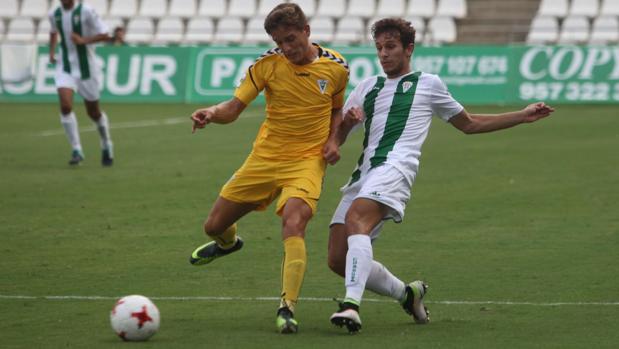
[(516, 232)]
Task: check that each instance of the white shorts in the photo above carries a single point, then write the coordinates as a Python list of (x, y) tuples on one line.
[(384, 184), (88, 89)]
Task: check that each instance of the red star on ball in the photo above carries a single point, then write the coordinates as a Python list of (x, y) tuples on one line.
[(142, 316), (116, 306)]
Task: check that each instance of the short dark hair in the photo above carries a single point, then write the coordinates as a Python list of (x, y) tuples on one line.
[(285, 15), (398, 25)]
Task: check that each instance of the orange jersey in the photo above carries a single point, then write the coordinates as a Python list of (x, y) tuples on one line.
[(299, 100)]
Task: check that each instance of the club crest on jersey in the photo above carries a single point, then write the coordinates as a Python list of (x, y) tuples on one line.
[(322, 84), (76, 19), (406, 86)]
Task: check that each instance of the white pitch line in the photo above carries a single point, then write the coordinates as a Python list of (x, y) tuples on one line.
[(311, 299), (119, 125), (130, 124)]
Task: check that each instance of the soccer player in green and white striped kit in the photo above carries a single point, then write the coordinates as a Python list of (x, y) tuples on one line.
[(396, 112), (79, 27)]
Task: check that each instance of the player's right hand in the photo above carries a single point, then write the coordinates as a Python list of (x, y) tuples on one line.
[(52, 59), (200, 118)]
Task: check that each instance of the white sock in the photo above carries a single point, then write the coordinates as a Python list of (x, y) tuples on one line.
[(382, 282), (103, 126), (358, 266), (71, 129)]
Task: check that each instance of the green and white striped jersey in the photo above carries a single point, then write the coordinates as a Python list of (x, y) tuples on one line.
[(398, 113), (77, 60)]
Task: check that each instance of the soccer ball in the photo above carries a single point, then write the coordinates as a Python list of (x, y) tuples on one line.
[(135, 318)]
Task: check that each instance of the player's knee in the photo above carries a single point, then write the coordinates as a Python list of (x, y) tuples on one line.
[(93, 112), (293, 225), (65, 109), (94, 115), (352, 215), (354, 221)]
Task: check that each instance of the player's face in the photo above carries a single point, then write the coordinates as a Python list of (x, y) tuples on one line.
[(294, 44), (67, 3), (394, 58)]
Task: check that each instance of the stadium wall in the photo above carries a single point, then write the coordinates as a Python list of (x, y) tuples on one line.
[(474, 74)]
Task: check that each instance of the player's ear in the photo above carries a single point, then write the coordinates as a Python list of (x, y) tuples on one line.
[(307, 30), (409, 49)]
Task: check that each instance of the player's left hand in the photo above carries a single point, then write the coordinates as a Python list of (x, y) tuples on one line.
[(353, 116), (78, 39), (536, 111), (331, 152)]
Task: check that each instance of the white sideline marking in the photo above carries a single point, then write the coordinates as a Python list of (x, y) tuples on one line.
[(131, 124), (311, 299), (119, 125)]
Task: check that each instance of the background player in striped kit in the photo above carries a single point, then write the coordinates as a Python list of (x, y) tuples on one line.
[(396, 112), (79, 27)]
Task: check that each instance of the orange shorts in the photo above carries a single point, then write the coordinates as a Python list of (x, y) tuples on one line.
[(260, 181)]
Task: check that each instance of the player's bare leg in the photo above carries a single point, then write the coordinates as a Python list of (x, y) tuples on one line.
[(65, 96), (103, 126), (338, 246), (70, 125), (295, 216), (220, 226)]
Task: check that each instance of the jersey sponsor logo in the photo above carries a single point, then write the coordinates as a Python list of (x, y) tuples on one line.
[(302, 74), (322, 84), (406, 86)]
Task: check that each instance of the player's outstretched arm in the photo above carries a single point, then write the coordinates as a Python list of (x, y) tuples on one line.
[(222, 113), (86, 40), (479, 123)]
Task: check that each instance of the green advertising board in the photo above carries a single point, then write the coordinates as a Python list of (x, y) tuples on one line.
[(566, 74), (474, 74), (129, 74), (217, 70)]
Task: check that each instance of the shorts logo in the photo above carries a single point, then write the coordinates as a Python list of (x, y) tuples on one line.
[(375, 193), (322, 84), (406, 86)]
